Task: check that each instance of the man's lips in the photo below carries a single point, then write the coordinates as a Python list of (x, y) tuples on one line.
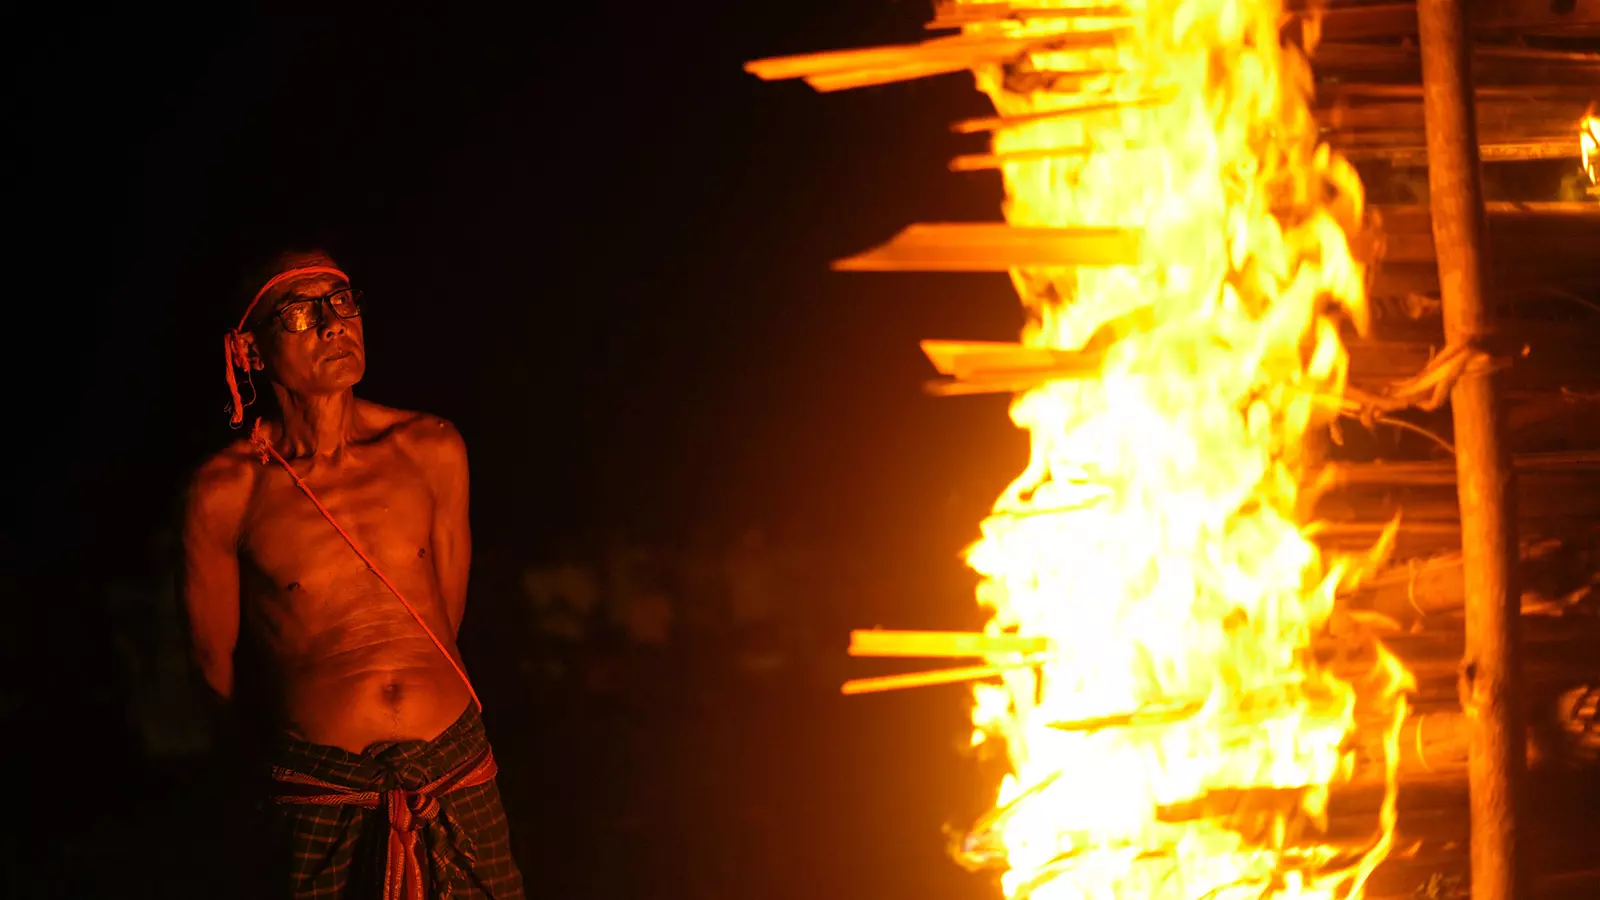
[(341, 353)]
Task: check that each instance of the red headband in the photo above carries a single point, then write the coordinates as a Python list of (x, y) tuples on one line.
[(280, 278), (233, 348)]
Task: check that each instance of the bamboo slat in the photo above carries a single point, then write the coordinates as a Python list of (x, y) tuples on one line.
[(930, 678), (842, 69), (994, 247), (955, 15), (930, 644)]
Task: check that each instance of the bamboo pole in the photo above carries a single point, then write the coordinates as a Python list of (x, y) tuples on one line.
[(1489, 675)]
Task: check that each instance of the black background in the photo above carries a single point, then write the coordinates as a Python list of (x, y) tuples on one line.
[(598, 246)]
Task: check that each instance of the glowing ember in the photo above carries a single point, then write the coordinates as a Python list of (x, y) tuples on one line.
[(1589, 146), (1180, 740)]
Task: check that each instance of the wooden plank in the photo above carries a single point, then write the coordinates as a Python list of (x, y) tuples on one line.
[(1491, 66), (1339, 21), (1509, 276), (1330, 93), (1441, 473), (1490, 149), (1556, 575), (1393, 20), (1339, 51), (1544, 357), (1532, 234), (1560, 653), (1563, 17), (1527, 235), (1508, 130), (995, 247), (1423, 540), (1547, 500), (1551, 113)]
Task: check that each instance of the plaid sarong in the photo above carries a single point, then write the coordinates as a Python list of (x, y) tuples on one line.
[(423, 816)]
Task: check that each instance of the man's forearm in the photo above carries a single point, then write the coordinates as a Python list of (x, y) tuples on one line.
[(230, 742), (217, 672)]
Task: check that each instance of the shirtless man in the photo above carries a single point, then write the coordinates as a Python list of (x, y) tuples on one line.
[(367, 696)]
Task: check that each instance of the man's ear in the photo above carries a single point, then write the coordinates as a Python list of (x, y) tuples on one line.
[(250, 351)]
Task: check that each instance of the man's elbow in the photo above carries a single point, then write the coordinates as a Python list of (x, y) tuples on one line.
[(216, 670)]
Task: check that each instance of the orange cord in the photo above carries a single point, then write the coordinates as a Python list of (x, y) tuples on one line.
[(264, 446)]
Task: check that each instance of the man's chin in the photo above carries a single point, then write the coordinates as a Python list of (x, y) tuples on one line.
[(338, 381), (343, 373)]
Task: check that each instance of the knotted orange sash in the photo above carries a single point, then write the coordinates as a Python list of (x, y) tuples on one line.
[(407, 810)]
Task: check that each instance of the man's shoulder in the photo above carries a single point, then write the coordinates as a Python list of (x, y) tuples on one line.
[(432, 438), (220, 487), (230, 468)]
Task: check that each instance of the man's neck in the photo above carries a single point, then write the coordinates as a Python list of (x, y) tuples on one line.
[(321, 425)]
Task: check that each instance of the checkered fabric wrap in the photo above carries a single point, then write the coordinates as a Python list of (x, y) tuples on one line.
[(339, 851)]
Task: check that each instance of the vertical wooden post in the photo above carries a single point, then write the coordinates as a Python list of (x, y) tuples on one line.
[(1490, 670)]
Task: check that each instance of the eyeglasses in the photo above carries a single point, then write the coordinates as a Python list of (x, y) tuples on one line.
[(303, 315)]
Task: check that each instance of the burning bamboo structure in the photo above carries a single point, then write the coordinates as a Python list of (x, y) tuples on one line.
[(1101, 659)]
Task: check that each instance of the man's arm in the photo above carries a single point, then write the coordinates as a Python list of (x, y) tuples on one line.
[(452, 534), (213, 511)]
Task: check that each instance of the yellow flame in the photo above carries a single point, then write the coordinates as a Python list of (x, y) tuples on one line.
[(1589, 147), (1182, 739)]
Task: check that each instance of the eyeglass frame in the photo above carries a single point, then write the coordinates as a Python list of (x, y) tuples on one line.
[(319, 303)]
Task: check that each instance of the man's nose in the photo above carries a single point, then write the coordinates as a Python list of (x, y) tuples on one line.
[(331, 325)]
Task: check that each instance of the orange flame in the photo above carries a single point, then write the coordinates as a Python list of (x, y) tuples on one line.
[(1182, 739), (1589, 147)]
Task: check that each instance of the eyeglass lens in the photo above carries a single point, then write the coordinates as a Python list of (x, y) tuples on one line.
[(307, 314)]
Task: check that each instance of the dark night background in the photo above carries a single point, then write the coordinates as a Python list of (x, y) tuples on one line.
[(598, 246)]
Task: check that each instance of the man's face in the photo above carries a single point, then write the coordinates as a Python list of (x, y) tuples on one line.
[(326, 358)]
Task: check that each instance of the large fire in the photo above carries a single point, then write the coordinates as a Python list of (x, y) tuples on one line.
[(1181, 738)]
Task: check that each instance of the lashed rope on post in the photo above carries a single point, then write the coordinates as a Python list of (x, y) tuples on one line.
[(1427, 390)]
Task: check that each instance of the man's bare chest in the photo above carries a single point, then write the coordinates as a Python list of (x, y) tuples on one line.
[(385, 506)]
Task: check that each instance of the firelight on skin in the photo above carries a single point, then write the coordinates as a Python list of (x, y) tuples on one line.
[(335, 540)]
